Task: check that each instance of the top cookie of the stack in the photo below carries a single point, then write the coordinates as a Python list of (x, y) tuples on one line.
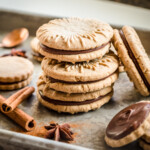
[(74, 39)]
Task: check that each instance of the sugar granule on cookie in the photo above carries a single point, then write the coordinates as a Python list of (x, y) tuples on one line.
[(128, 125)]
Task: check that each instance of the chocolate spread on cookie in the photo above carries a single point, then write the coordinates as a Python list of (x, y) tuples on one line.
[(67, 52), (134, 59), (70, 103), (128, 120), (9, 83)]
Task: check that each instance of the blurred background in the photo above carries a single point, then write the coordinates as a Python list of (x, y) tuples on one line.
[(139, 3)]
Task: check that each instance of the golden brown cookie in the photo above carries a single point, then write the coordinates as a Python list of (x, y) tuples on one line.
[(93, 70), (76, 97), (73, 57), (134, 58), (35, 50), (80, 87), (71, 103), (74, 34), (128, 125), (74, 39), (15, 72)]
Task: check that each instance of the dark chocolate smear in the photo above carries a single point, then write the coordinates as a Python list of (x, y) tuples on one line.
[(70, 103), (9, 83), (68, 52), (134, 60), (128, 120)]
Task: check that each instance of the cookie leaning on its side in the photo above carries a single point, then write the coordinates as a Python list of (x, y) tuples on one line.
[(134, 58), (15, 72)]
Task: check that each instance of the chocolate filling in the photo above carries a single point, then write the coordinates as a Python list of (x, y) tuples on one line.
[(9, 83), (68, 52), (128, 120), (79, 82), (70, 103), (134, 60)]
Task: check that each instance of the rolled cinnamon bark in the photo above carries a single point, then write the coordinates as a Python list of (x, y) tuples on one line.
[(13, 101), (20, 117)]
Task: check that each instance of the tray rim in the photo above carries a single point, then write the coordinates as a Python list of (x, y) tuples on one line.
[(7, 134), (28, 139)]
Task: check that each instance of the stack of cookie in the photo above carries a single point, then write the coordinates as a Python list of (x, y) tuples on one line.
[(79, 69)]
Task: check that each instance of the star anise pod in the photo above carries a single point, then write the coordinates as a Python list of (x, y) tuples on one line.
[(59, 132), (14, 52)]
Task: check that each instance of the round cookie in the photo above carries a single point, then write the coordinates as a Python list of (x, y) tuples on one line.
[(35, 50), (128, 125), (81, 87), (93, 70), (15, 72), (74, 34), (134, 58), (79, 57), (71, 103), (17, 85), (74, 39), (75, 97)]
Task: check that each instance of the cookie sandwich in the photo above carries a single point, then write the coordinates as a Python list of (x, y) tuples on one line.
[(74, 39), (35, 51), (79, 69), (128, 125), (15, 72), (134, 58)]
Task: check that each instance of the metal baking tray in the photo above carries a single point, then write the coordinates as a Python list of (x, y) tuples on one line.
[(89, 127)]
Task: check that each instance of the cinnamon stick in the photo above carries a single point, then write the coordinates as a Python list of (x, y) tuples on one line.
[(20, 117), (13, 101)]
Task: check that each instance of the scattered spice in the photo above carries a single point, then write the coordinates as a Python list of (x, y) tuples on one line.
[(14, 52), (59, 132)]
